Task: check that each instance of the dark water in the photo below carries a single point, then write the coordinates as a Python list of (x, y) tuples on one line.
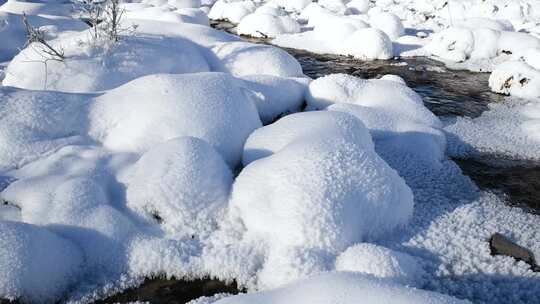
[(445, 92), (162, 291)]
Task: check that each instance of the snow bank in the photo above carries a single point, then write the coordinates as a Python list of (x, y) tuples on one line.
[(266, 25), (403, 129), (171, 182), (324, 190), (180, 15), (89, 69), (156, 108), (36, 265), (13, 32), (382, 263), (342, 288)]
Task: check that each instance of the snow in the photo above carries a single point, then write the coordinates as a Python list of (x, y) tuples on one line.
[(90, 69), (153, 109), (124, 167), (171, 181), (266, 25), (307, 193), (232, 11), (238, 58), (276, 96), (382, 263), (342, 288), (36, 264), (395, 118)]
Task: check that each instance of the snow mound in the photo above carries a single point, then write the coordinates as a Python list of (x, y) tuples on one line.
[(293, 5), (90, 69), (36, 264), (382, 263), (276, 96), (389, 23), (266, 25), (368, 44), (232, 11), (33, 123), (342, 288), (244, 58), (172, 181), (516, 78), (403, 129), (153, 109), (181, 15), (320, 190), (291, 128)]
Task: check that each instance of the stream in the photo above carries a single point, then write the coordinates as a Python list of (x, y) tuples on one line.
[(445, 92)]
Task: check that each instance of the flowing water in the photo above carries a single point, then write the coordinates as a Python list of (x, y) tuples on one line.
[(445, 92)]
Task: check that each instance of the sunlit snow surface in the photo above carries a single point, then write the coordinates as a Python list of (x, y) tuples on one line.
[(150, 157)]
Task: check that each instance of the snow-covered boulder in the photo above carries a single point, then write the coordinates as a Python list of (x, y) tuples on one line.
[(368, 44), (184, 182), (36, 265), (233, 11), (89, 69), (516, 78), (389, 23), (275, 96), (342, 288), (272, 138), (185, 3), (358, 6), (153, 109), (266, 25), (401, 126), (244, 58), (322, 190), (382, 263)]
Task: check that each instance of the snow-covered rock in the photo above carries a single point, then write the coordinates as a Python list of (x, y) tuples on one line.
[(515, 78), (403, 129), (244, 58), (389, 24), (266, 25), (382, 263), (368, 44), (323, 190), (275, 96), (233, 11), (153, 109), (36, 265), (184, 182)]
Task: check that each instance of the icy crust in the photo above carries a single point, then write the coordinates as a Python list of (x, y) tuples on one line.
[(160, 107), (321, 190), (403, 129), (36, 264), (508, 129), (342, 288), (184, 183)]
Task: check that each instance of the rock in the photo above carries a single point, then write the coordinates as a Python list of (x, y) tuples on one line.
[(501, 245)]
